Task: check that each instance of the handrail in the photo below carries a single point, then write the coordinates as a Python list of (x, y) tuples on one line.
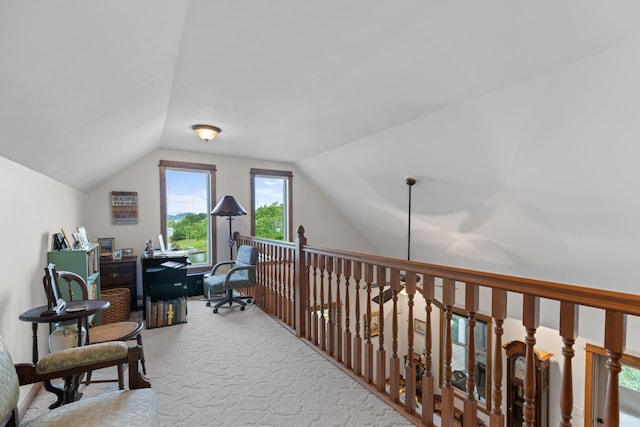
[(597, 298), (323, 294)]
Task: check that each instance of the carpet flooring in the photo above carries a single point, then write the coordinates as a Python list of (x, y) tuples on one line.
[(242, 368)]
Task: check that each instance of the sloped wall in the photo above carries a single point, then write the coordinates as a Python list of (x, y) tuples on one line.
[(537, 180), (34, 207)]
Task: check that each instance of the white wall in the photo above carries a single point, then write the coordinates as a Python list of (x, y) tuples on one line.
[(34, 207), (324, 225)]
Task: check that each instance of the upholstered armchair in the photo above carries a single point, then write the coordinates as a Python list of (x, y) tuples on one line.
[(136, 406), (241, 275)]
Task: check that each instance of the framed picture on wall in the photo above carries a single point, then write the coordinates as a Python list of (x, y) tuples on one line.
[(419, 326)]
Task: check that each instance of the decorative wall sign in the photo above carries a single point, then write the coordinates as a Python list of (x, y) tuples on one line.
[(124, 207)]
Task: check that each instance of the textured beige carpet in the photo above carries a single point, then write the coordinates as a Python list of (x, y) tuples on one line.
[(242, 368)]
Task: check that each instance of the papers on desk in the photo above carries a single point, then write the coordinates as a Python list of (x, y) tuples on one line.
[(173, 264), (170, 253)]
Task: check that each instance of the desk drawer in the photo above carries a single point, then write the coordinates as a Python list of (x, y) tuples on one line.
[(116, 275), (162, 291)]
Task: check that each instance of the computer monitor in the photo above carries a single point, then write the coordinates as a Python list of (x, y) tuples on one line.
[(163, 249)]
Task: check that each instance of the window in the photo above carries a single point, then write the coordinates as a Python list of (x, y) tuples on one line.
[(596, 378), (271, 203), (186, 194), (459, 355)]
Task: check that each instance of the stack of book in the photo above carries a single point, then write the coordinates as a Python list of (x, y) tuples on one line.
[(165, 312)]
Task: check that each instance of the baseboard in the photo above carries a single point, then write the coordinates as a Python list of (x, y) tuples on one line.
[(28, 399)]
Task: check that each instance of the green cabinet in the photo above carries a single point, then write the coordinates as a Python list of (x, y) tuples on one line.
[(84, 262)]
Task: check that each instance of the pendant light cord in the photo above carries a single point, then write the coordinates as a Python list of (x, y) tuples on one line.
[(410, 181)]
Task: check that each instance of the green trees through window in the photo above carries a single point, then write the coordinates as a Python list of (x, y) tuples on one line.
[(190, 231), (271, 212), (270, 221)]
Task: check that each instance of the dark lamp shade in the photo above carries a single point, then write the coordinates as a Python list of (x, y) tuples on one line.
[(227, 206)]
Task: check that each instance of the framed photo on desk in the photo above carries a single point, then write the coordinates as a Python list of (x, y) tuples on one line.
[(105, 245)]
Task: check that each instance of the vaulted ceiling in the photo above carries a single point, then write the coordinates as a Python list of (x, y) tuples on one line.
[(518, 119), (87, 88)]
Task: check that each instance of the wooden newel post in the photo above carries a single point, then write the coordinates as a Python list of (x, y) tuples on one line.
[(300, 284)]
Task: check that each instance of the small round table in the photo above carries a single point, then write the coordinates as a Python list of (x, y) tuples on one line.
[(79, 310)]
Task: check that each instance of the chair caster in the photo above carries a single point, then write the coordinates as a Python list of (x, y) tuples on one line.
[(208, 304), (242, 308), (215, 310), (249, 301)]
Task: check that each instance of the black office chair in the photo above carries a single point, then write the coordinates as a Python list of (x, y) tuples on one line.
[(241, 275)]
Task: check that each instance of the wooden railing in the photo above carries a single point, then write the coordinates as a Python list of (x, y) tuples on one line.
[(322, 294)]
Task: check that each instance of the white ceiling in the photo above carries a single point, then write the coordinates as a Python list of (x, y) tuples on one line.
[(89, 87)]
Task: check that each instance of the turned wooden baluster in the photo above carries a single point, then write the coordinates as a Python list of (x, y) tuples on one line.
[(428, 380), (257, 299), (309, 296), (314, 299), (470, 403), (357, 340), (381, 276), (279, 281), (568, 331), (615, 333), (338, 312), (264, 279), (499, 313), (323, 321), (291, 296), (410, 367), (281, 275), (531, 322), (286, 291), (448, 300), (394, 362), (274, 283), (331, 324), (286, 294), (347, 358), (368, 349), (267, 278), (272, 280)]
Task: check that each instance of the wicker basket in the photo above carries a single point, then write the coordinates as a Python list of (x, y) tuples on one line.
[(119, 309)]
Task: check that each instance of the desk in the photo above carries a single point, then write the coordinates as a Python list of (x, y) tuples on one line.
[(70, 392), (164, 279)]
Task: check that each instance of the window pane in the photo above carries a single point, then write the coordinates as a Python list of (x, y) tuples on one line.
[(630, 377), (459, 357), (271, 207), (188, 219)]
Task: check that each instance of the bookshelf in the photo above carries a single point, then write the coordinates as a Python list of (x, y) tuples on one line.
[(85, 262)]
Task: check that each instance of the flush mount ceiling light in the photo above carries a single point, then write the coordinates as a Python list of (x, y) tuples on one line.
[(206, 132)]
